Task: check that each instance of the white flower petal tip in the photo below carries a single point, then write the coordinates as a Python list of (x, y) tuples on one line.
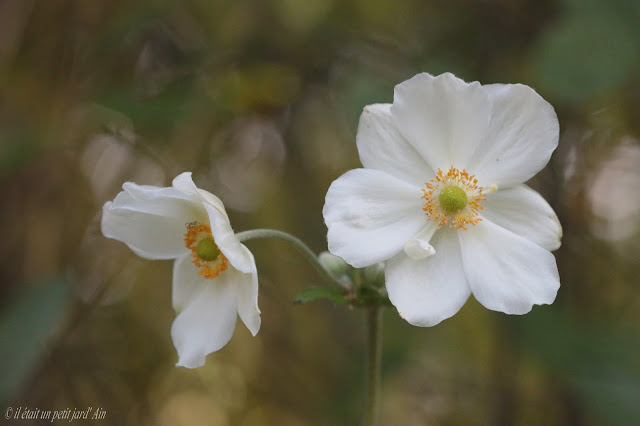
[(215, 278), (184, 182), (524, 212), (210, 310), (444, 167), (418, 249), (427, 291), (506, 272)]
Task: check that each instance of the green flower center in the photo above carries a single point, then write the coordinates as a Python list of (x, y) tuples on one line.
[(452, 199), (207, 249)]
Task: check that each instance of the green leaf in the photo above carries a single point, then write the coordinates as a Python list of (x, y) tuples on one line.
[(27, 325), (586, 56), (596, 360), (336, 295)]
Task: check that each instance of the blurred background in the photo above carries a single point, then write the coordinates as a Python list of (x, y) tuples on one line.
[(261, 99)]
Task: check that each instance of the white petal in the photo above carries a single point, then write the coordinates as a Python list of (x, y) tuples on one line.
[(187, 283), (443, 117), (430, 290), (148, 235), (158, 201), (506, 272), (382, 147), (370, 214), (156, 193), (207, 322), (151, 220), (227, 241), (522, 134), (247, 291), (418, 247), (184, 183), (524, 212)]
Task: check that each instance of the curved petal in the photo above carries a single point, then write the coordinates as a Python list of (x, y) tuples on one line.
[(227, 241), (207, 322), (161, 202), (524, 212), (507, 272), (152, 236), (247, 291), (382, 147), (443, 117), (155, 193), (430, 290), (370, 214), (187, 283), (418, 246), (184, 183), (521, 137)]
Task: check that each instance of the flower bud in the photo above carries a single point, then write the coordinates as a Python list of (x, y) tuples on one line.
[(333, 264), (374, 274)]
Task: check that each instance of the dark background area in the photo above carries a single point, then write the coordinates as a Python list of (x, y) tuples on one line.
[(261, 101)]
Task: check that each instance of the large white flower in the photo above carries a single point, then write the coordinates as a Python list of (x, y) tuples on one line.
[(214, 275), (441, 198)]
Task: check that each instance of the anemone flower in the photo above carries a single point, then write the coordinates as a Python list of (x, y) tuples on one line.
[(214, 275), (441, 198)]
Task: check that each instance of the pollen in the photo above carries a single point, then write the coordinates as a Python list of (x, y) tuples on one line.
[(205, 254), (453, 198)]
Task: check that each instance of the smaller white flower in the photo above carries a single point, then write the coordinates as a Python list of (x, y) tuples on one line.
[(214, 275)]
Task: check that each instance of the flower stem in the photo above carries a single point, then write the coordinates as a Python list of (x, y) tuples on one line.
[(373, 319), (254, 234), (374, 355)]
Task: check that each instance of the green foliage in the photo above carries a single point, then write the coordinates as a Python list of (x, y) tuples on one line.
[(335, 295), (598, 362), (27, 325), (16, 151), (591, 50)]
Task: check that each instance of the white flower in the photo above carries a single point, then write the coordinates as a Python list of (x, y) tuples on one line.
[(214, 275), (441, 198)]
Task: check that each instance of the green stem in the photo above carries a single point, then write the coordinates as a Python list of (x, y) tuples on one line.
[(254, 234), (374, 355), (373, 312)]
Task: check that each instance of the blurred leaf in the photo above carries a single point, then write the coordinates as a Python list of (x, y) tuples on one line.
[(17, 150), (586, 56), (334, 294), (590, 52), (155, 114), (364, 89), (623, 8), (600, 363), (28, 322), (257, 86), (614, 396)]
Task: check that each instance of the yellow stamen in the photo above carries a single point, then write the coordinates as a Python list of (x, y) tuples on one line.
[(453, 199), (205, 254)]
